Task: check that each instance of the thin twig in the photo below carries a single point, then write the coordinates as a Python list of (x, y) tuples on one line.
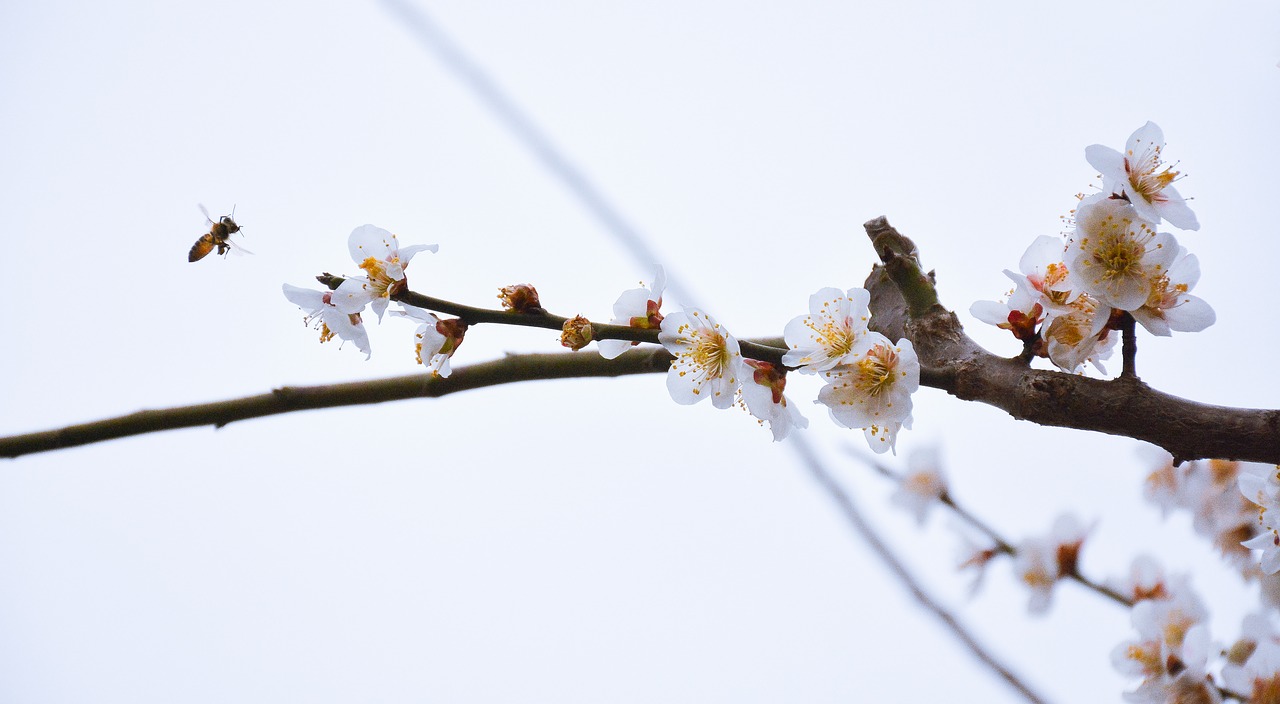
[(860, 525), (769, 350), (999, 544), (1128, 347)]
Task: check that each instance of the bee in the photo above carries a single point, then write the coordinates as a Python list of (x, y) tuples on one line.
[(219, 235)]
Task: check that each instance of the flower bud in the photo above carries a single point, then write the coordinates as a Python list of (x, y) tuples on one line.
[(520, 298), (577, 333)]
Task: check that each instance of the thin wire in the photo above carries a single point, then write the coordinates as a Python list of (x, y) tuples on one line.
[(434, 39)]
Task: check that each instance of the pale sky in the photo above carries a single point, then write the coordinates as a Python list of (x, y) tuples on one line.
[(576, 541)]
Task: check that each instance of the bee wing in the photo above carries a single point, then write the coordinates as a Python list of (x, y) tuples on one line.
[(206, 213), (237, 249)]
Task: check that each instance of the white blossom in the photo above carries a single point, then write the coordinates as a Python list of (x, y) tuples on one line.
[(637, 308), (708, 361), (922, 485), (1169, 306), (1041, 561), (1080, 336), (323, 313), (763, 385), (1115, 255), (435, 340), (378, 252), (1140, 175), (1264, 491), (873, 390), (834, 330)]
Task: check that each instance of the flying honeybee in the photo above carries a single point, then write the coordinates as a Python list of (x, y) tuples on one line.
[(219, 236)]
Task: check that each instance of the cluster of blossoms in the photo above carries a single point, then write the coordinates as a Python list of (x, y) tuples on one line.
[(869, 379), (1235, 505), (1172, 651), (1230, 506), (1214, 493), (1262, 489), (1070, 295), (337, 313)]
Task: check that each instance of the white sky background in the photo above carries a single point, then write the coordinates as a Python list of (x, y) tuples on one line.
[(571, 541)]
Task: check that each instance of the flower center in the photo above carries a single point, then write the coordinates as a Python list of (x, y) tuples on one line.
[(876, 370), (378, 277), (1055, 274), (836, 338), (1119, 257), (1146, 177), (708, 353)]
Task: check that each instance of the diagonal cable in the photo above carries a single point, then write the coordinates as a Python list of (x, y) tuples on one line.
[(433, 38)]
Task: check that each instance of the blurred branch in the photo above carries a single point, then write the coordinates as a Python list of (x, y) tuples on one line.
[(999, 544), (287, 399), (901, 307), (860, 525), (1002, 546)]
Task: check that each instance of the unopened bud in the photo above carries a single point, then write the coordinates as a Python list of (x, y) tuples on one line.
[(520, 298), (453, 330), (1068, 557), (576, 333), (769, 376)]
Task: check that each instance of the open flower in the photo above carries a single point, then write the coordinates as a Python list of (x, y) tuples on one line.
[(435, 340), (923, 485), (1171, 650), (762, 393), (1143, 178), (1253, 661), (378, 252), (1264, 491), (637, 308), (707, 360), (1115, 255), (834, 330), (1021, 313), (873, 391), (1041, 292), (1169, 306), (1080, 336), (1041, 561), (321, 312)]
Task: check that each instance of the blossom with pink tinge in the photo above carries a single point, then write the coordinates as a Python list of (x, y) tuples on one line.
[(1141, 175), (872, 390), (323, 313)]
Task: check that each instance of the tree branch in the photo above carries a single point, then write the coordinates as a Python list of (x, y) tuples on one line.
[(1125, 406), (287, 399)]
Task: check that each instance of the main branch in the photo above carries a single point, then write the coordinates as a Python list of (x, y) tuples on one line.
[(286, 399), (904, 304)]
